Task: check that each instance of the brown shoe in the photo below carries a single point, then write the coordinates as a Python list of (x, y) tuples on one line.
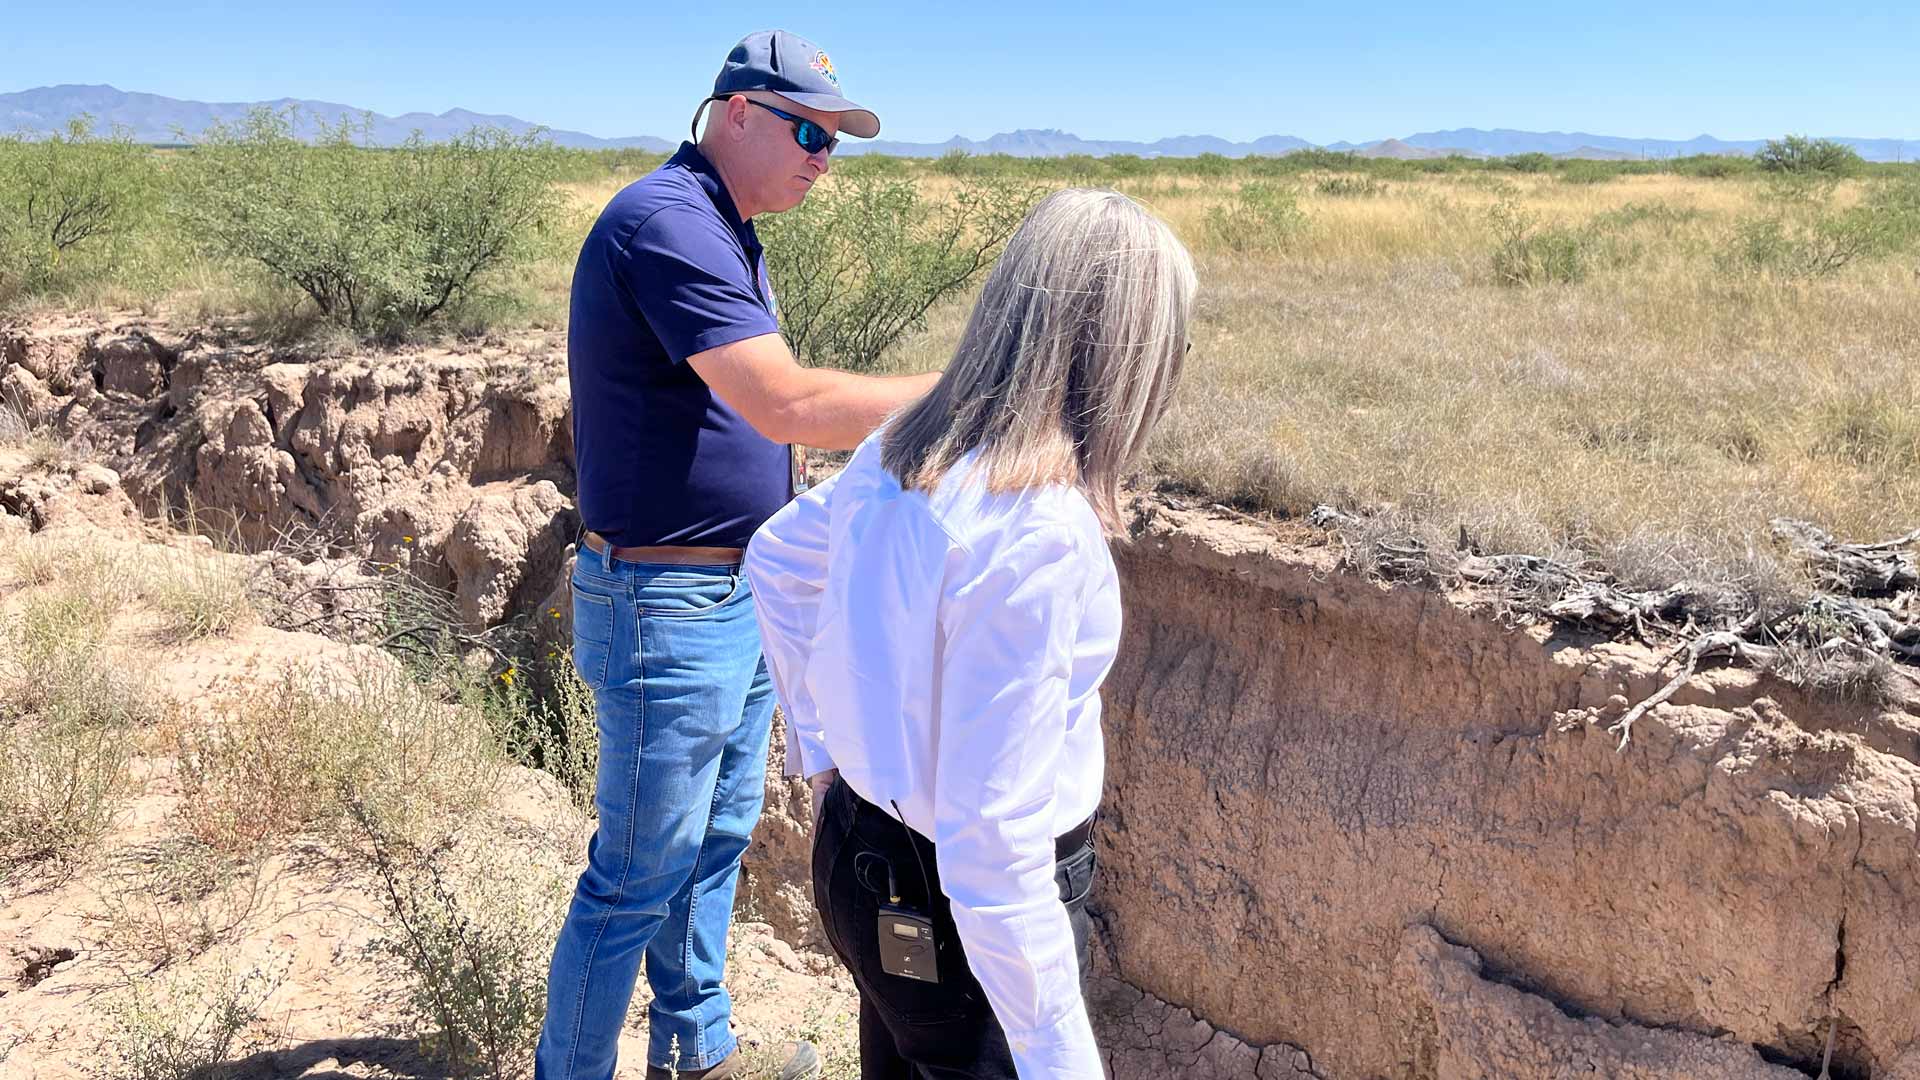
[(803, 1063)]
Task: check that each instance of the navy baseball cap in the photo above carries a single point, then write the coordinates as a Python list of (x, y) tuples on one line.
[(796, 69)]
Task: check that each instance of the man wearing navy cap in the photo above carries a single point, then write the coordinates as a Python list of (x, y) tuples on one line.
[(688, 415)]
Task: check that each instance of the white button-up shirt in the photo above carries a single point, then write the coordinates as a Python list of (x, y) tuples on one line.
[(945, 651)]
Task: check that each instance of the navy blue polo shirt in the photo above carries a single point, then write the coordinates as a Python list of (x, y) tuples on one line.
[(669, 270)]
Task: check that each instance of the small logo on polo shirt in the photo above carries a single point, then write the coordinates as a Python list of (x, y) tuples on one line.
[(825, 67)]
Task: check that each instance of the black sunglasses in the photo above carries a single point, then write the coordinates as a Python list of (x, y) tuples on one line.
[(811, 136)]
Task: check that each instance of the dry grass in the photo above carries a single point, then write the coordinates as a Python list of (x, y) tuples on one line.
[(60, 787), (44, 448), (170, 902), (1656, 400), (1660, 402), (199, 592), (1655, 414), (69, 709), (295, 754)]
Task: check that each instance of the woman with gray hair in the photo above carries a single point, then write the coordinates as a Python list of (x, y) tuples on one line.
[(938, 618)]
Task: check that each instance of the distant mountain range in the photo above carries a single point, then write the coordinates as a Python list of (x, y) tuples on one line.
[(1501, 142), (156, 119), (1049, 143), (153, 118)]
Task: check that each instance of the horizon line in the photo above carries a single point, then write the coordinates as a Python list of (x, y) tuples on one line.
[(957, 136)]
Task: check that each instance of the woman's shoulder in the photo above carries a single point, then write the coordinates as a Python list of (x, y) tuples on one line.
[(863, 466), (975, 512)]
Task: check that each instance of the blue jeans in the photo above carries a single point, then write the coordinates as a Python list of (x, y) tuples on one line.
[(684, 707)]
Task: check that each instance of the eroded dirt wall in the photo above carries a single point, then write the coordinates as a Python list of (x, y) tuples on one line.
[(1366, 823)]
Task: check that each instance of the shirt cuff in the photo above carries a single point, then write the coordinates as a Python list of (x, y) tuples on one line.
[(808, 750), (1065, 1051), (790, 766)]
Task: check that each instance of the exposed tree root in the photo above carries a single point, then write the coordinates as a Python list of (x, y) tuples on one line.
[(1850, 636)]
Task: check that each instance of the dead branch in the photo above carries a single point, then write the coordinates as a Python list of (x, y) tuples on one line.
[(1854, 569), (1866, 616), (1606, 604), (1720, 642)]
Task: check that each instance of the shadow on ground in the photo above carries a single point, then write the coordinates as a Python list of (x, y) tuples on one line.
[(337, 1059)]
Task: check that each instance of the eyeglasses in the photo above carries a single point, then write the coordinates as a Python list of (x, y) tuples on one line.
[(811, 136)]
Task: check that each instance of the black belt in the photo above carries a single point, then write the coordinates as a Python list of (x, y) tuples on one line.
[(1073, 839), (1064, 845)]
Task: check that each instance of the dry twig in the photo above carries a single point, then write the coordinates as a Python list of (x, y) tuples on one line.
[(1846, 636)]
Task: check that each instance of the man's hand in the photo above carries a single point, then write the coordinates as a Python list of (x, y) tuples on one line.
[(821, 782), (819, 407)]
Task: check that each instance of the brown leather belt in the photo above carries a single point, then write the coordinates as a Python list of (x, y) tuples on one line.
[(670, 556)]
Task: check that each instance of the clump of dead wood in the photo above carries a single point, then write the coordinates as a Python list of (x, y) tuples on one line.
[(1853, 630)]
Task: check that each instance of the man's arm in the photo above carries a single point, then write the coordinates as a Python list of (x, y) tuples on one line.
[(818, 407)]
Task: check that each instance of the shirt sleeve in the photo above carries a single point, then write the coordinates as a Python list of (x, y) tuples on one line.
[(786, 564), (1009, 619), (690, 279)]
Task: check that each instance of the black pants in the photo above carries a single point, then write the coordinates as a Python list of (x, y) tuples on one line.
[(913, 1030)]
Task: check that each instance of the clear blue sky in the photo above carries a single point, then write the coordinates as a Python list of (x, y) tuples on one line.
[(1121, 70)]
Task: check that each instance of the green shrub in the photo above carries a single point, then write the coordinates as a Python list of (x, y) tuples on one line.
[(1531, 162), (1315, 159), (1452, 163), (62, 195), (60, 785), (1209, 165), (955, 162), (1895, 205), (1350, 187), (182, 1026), (1794, 247), (1261, 218), (1712, 166), (585, 166), (557, 730), (1588, 172), (1127, 166), (860, 262), (54, 663), (68, 707), (200, 593), (1805, 235), (1526, 253), (874, 164), (380, 240), (1799, 154), (472, 937)]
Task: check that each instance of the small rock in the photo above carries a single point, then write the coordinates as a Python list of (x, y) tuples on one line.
[(96, 479)]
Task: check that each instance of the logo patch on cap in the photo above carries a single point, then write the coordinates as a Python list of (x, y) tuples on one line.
[(825, 67)]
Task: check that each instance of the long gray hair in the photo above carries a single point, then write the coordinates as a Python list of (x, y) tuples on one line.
[(1068, 360)]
